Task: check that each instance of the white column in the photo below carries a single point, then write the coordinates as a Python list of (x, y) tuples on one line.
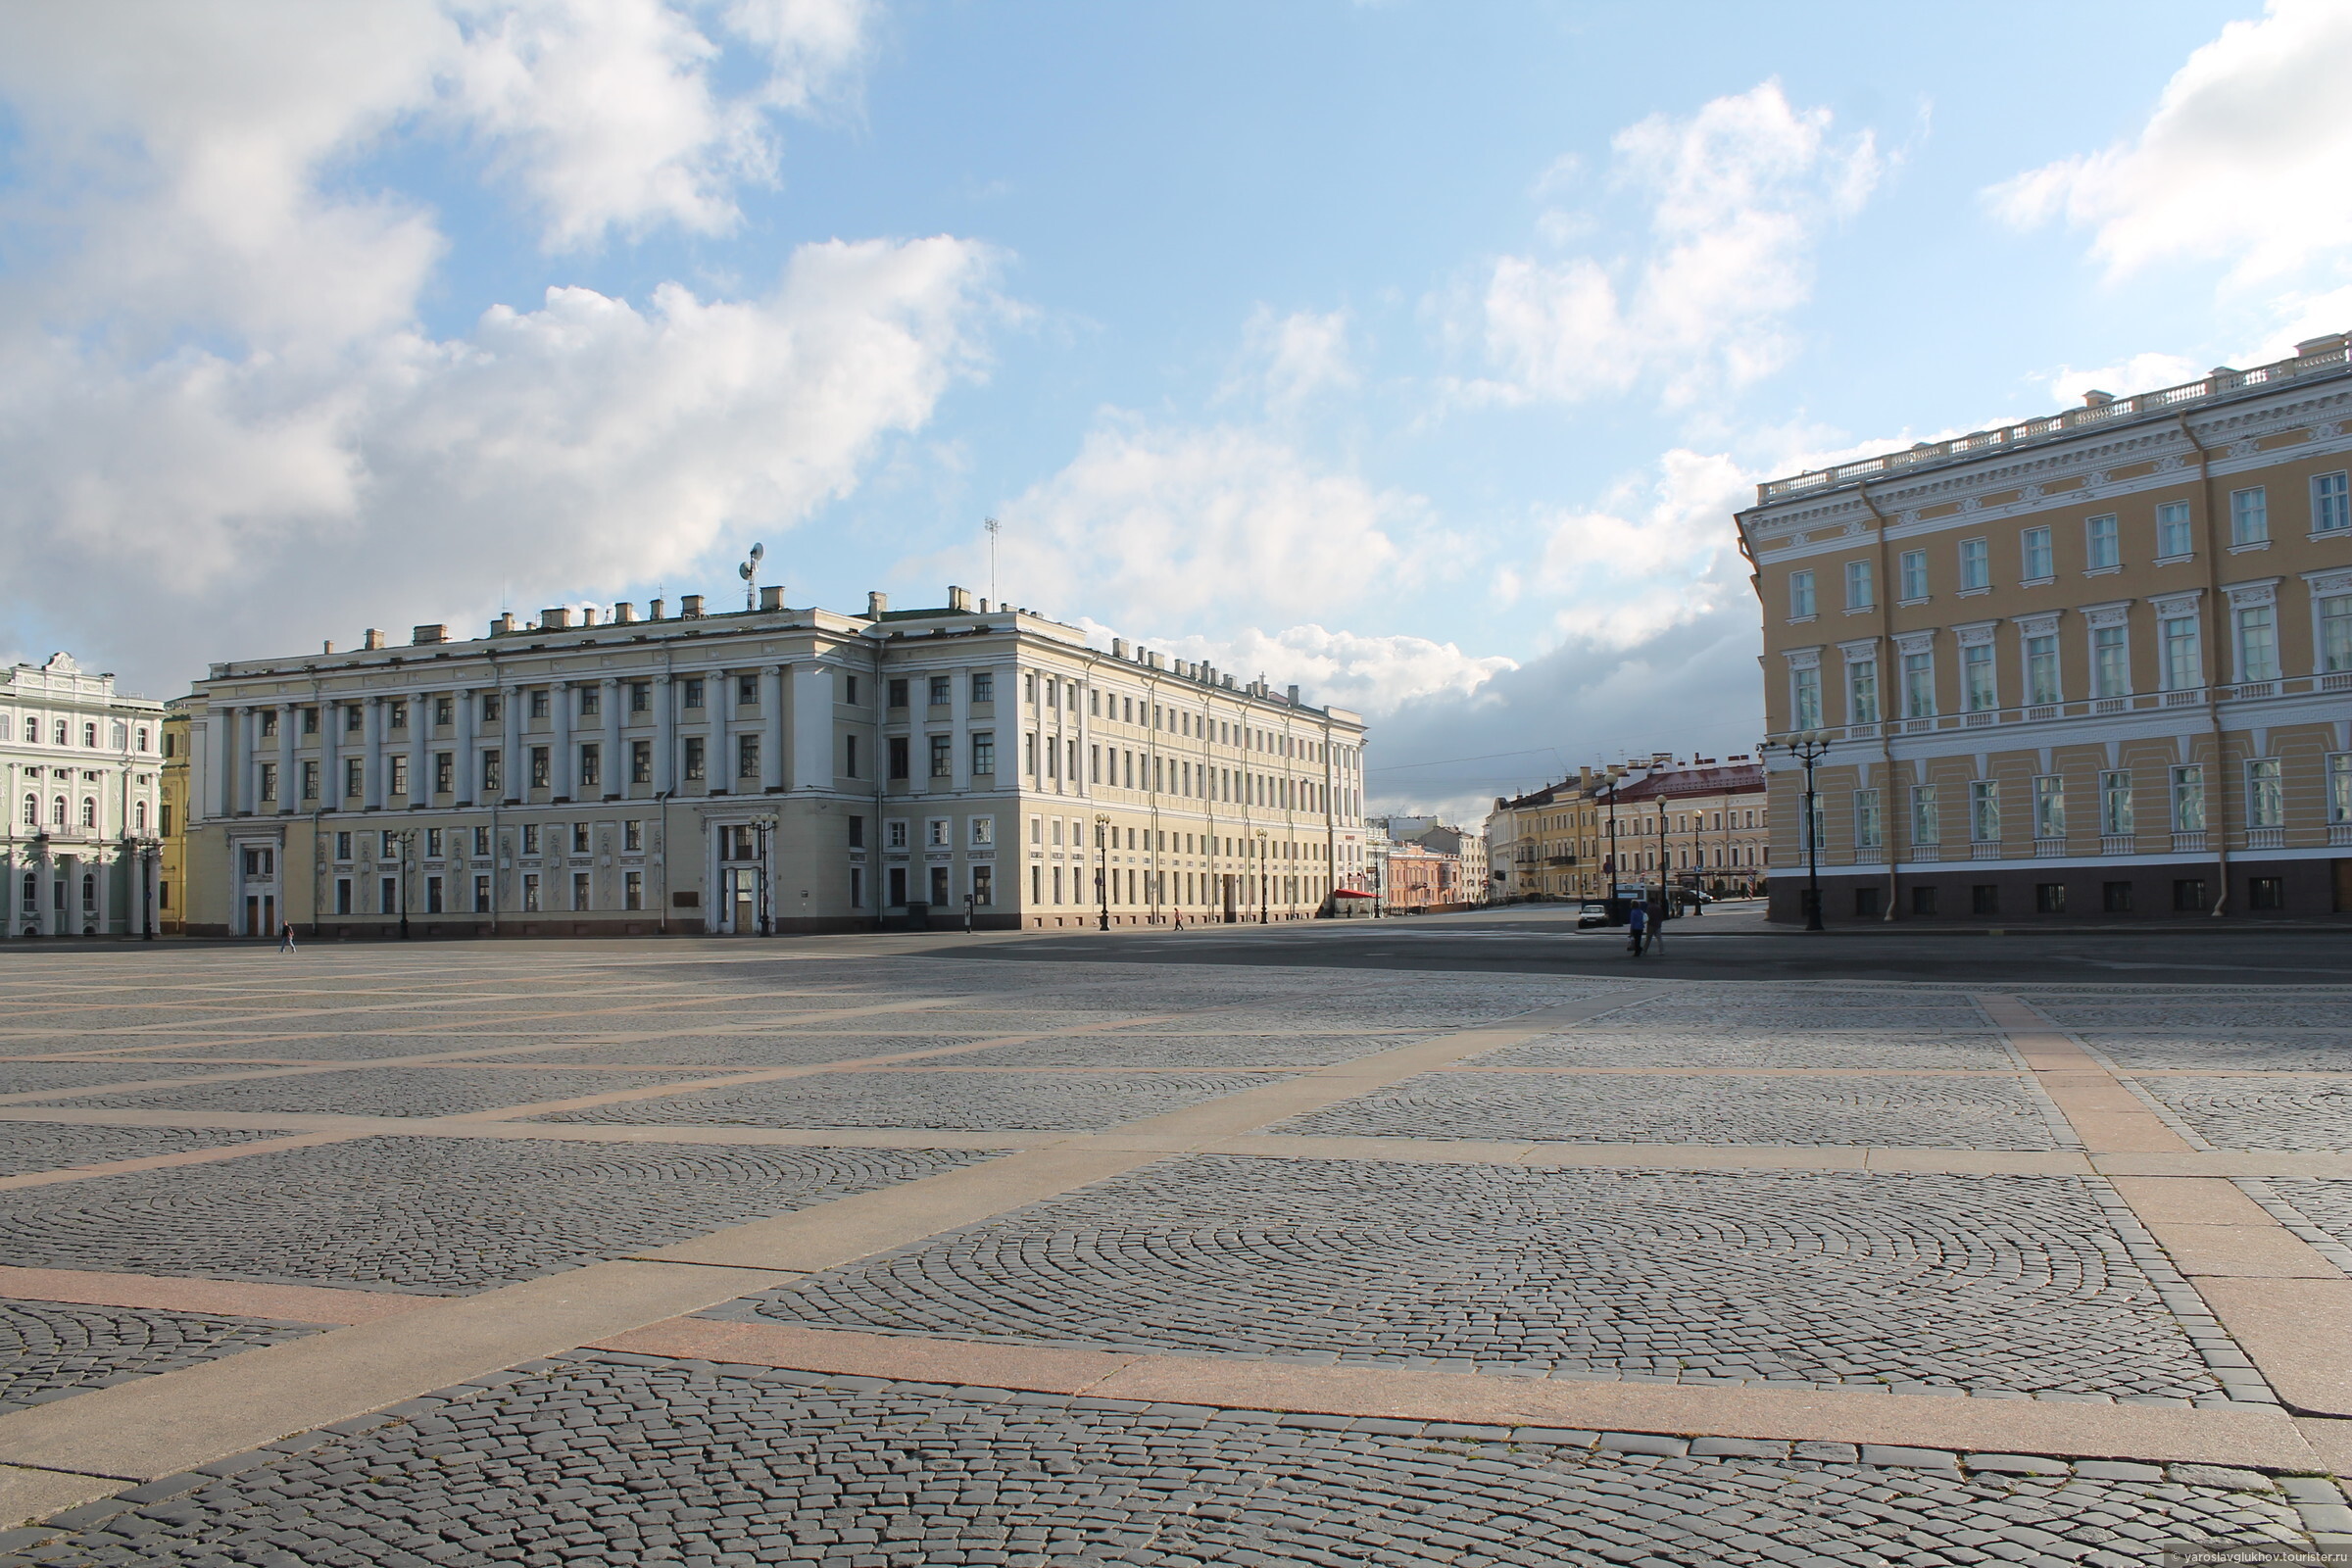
[(615, 774), (814, 757), (102, 866), (225, 763), (289, 788), (563, 775), (372, 740), (44, 901), (665, 735), (718, 701), (330, 755), (468, 765), (421, 778), (771, 730), (515, 774)]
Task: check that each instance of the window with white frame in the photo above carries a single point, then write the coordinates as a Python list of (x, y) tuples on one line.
[(2331, 503), (2249, 516), (1977, 681), (2041, 669), (1862, 692), (1861, 588), (2038, 560), (2102, 544), (1976, 563), (1868, 832), (1805, 699), (2114, 801), (1927, 826), (984, 832), (2339, 788), (2189, 799), (2257, 641), (2183, 655), (1801, 594), (2172, 539), (2050, 806), (1985, 810), (2336, 633), (2266, 793), (1914, 567), (937, 833), (893, 835), (2110, 662), (1919, 685)]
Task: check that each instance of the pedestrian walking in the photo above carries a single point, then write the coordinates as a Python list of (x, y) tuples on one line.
[(285, 937), (1637, 924)]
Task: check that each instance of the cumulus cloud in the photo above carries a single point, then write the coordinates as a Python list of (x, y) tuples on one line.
[(1372, 674), (224, 422), (2233, 164), (1651, 555), (1286, 361), (1738, 195), (1221, 526)]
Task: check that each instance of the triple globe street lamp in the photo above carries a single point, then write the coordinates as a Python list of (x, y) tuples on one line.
[(1807, 745)]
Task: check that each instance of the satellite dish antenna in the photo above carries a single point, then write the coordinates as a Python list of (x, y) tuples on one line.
[(748, 571)]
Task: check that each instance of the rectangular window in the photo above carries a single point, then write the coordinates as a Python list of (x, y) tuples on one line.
[(542, 767), (342, 846), (481, 894), (697, 766), (1862, 692), (943, 755), (309, 722), (268, 727), (530, 838), (2183, 656), (896, 694), (387, 893), (2266, 793), (2115, 898), (481, 842), (848, 756), (632, 836), (491, 709), (2102, 544), (2114, 801), (491, 774), (641, 762), (538, 701), (899, 764), (2339, 787), (432, 844), (2050, 806), (1806, 693), (355, 772), (2110, 671), (2336, 633), (2049, 897), (984, 753), (1927, 826), (579, 837), (1922, 901), (1801, 594), (1977, 678), (984, 687), (1868, 829), (579, 890), (632, 890), (2330, 504), (1861, 591), (355, 719), (400, 777), (1914, 564), (2189, 799), (445, 769), (530, 893), (694, 691), (747, 756), (2266, 893), (2173, 541), (592, 765), (939, 694), (1976, 565), (432, 895), (2257, 643), (310, 781), (342, 895), (2041, 669), (984, 884), (984, 832), (1985, 899), (1919, 685), (2249, 516), (641, 697), (893, 835), (2035, 548), (747, 690), (591, 702), (1985, 810), (2189, 895)]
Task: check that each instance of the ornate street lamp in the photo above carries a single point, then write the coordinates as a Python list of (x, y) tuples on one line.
[(1808, 746), (1103, 869), (1264, 891)]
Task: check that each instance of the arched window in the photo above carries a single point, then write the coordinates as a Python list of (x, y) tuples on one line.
[(138, 812), (33, 890), (89, 810), (32, 811), (89, 891), (57, 811)]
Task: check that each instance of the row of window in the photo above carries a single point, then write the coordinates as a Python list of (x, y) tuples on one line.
[(2102, 547), (126, 736), (459, 895), (1169, 841), (2254, 635), (1055, 694), (588, 703), (1137, 886), (2185, 800), (61, 813), (2190, 896)]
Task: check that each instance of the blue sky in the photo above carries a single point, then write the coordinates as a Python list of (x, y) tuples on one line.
[(1414, 353)]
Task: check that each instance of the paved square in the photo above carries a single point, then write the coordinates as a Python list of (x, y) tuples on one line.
[(1262, 1263)]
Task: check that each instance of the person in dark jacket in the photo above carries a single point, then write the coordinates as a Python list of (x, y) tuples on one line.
[(1637, 925)]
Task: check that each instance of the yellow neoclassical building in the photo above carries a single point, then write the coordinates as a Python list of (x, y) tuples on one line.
[(2091, 666)]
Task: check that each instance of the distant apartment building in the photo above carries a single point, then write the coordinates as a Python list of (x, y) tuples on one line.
[(2097, 665), (82, 762), (1699, 823), (1428, 864), (763, 770)]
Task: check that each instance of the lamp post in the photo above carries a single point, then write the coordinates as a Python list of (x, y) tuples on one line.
[(1265, 893), (1809, 746), (1102, 865), (762, 826), (405, 838)]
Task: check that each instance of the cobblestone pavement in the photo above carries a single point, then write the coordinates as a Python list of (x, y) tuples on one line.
[(2261, 1112), (975, 1101), (384, 1091), (51, 1350), (434, 1214), (1916, 1113), (1972, 1273), (624, 1460), (2019, 1285), (32, 1146)]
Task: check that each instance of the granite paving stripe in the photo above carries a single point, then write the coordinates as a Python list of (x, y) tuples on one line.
[(28, 1146), (60, 1350), (292, 1304), (2250, 1436), (386, 1090), (976, 1102), (255, 1146)]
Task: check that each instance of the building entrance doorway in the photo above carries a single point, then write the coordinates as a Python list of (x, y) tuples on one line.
[(1229, 895), (256, 881), (740, 907)]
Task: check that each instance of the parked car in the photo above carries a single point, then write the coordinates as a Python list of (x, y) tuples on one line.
[(1598, 912)]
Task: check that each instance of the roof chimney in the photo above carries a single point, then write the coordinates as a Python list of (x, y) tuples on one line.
[(690, 606), (2332, 343), (504, 624), (771, 597), (654, 608), (1118, 648), (371, 639), (2097, 400), (877, 605), (959, 600), (330, 647), (1293, 695), (554, 621), (624, 615), (429, 634)]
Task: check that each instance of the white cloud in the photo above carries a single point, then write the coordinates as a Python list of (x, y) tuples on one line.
[(2241, 160), (1651, 556), (1218, 525), (1289, 360), (1371, 674), (1738, 195), (2142, 372)]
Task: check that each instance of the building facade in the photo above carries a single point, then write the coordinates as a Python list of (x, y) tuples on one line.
[(1547, 843), (2097, 665), (1702, 824), (83, 762), (772, 769)]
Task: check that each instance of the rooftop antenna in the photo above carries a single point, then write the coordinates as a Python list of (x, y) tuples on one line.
[(748, 572), (994, 528)]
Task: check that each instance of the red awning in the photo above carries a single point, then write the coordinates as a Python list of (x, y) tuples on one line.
[(1350, 893)]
